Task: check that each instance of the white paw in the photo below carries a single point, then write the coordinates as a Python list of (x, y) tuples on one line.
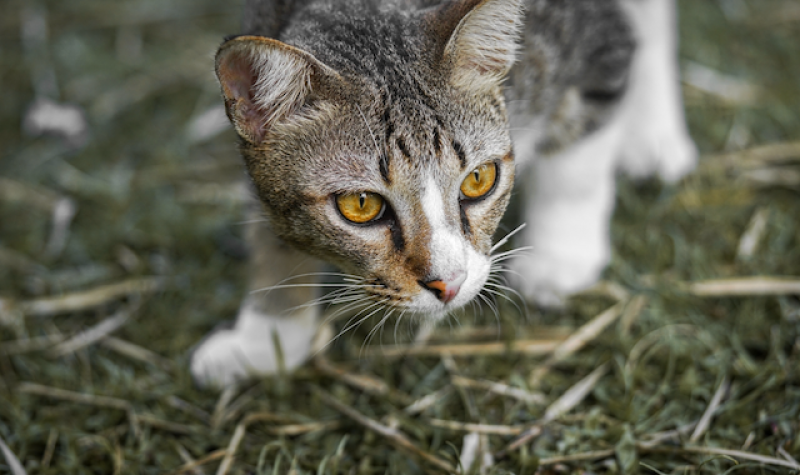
[(661, 150), (247, 350), (547, 279), (656, 141)]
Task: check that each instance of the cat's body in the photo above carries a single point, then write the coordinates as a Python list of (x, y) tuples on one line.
[(378, 135)]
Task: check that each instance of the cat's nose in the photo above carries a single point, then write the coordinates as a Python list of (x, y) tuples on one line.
[(446, 290)]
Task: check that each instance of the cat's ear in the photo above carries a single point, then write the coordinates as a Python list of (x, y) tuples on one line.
[(480, 39), (265, 81)]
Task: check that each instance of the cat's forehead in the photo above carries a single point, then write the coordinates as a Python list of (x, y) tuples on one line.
[(365, 40)]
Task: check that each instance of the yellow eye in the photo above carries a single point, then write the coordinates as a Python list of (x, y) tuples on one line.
[(361, 207), (480, 181)]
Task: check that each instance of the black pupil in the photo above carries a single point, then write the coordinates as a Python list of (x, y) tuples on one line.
[(477, 175), (362, 200)]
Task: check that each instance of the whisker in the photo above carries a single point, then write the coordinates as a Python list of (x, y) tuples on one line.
[(504, 270), (374, 330), (397, 323), (364, 118), (336, 297), (502, 294), (296, 286), (351, 325), (508, 254), (366, 302), (487, 301), (492, 305), (508, 236)]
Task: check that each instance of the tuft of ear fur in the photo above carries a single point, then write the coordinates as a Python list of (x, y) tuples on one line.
[(265, 81), (483, 39)]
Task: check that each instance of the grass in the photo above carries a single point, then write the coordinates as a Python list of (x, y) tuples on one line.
[(649, 375)]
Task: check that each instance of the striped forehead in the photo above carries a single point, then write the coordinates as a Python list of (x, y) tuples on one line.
[(417, 141)]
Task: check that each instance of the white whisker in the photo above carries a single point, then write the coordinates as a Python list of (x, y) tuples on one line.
[(508, 236), (364, 118)]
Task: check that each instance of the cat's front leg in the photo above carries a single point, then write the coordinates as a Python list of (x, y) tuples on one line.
[(268, 314), (569, 199), (657, 141)]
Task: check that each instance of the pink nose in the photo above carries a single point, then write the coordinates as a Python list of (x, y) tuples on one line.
[(445, 291)]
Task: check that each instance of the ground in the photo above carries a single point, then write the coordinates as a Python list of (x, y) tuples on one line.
[(120, 247)]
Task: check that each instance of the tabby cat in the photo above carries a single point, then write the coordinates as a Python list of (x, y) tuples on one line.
[(384, 136)]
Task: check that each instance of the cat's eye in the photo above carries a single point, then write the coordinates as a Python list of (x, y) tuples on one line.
[(361, 208), (480, 181)]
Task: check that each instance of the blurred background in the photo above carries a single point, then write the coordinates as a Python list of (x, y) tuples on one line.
[(120, 247)]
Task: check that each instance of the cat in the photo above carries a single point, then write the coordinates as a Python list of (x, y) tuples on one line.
[(385, 137)]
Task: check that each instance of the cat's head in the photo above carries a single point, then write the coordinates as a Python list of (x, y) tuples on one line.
[(378, 140)]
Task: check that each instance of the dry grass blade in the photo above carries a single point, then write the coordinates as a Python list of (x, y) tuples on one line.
[(466, 397), (136, 352), (787, 456), (427, 401), (575, 394), (11, 459), (37, 197), (97, 332), (571, 398), (49, 450), (91, 298), (527, 347), (586, 333), (608, 289), (233, 446), (773, 177), (188, 467), (63, 212), (300, 429), (476, 428), (294, 429), (188, 459), (72, 396), (221, 407), (475, 448), (631, 313), (775, 153), (167, 426), (499, 389), (705, 421), (746, 286), (28, 345), (751, 238), (363, 382), (188, 408), (464, 334), (724, 87), (11, 259), (656, 438), (288, 429), (735, 454), (597, 454), (394, 436), (118, 458)]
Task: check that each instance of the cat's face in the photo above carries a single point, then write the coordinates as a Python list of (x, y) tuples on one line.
[(400, 177)]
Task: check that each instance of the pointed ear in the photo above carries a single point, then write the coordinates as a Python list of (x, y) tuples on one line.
[(265, 81), (480, 38)]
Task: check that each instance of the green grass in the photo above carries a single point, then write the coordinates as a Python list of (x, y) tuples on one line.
[(143, 69)]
